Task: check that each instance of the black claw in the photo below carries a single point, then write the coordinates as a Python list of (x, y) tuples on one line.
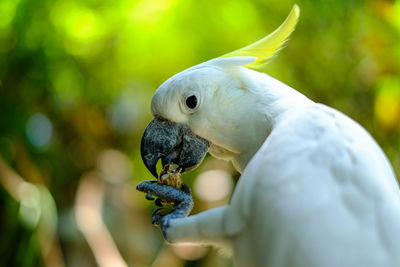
[(149, 197), (158, 202), (186, 189), (156, 216)]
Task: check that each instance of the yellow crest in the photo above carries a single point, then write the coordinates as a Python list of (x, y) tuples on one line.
[(269, 45)]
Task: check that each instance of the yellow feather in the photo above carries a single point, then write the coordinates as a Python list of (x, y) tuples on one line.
[(269, 45)]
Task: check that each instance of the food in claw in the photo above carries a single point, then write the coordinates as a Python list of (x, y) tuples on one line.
[(171, 175)]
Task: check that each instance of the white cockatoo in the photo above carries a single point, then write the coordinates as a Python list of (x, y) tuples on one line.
[(315, 188)]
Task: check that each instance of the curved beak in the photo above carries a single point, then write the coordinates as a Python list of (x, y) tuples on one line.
[(171, 142)]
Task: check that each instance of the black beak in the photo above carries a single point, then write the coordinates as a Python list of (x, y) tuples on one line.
[(171, 142)]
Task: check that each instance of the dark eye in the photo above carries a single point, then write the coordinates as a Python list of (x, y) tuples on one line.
[(191, 102)]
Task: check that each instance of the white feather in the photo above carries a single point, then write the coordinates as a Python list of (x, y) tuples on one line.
[(319, 192), (316, 189)]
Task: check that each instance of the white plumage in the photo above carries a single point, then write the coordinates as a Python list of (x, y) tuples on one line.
[(315, 190)]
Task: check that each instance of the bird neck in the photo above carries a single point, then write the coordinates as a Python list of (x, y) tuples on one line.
[(271, 100)]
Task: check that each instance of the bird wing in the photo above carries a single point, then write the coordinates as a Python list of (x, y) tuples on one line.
[(319, 192)]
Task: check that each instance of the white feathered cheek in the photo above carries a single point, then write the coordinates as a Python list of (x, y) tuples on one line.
[(190, 102)]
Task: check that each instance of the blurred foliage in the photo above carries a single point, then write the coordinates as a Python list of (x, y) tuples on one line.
[(76, 80)]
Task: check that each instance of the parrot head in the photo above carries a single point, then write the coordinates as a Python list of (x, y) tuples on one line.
[(206, 107)]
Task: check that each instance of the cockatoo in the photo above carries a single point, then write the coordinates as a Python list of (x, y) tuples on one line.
[(315, 188)]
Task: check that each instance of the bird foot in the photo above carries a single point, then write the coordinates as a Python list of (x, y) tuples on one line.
[(181, 198)]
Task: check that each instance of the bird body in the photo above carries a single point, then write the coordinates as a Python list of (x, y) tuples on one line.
[(328, 192), (315, 188)]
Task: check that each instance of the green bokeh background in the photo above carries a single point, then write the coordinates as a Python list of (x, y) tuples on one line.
[(85, 72)]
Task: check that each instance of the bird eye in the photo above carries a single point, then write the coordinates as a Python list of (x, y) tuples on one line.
[(191, 102)]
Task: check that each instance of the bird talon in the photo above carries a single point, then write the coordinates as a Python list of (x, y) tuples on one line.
[(159, 202), (149, 197), (156, 216), (185, 189)]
